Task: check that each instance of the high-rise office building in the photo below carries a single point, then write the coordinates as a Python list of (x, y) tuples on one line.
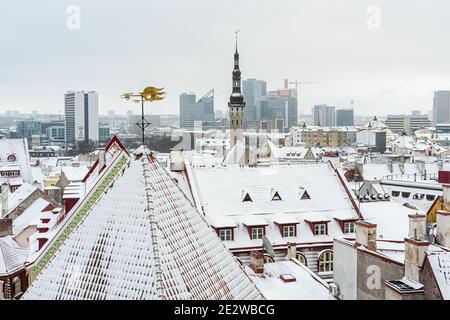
[(81, 116), (187, 110), (192, 110), (28, 128), (205, 108), (345, 118), (254, 92), (324, 116), (441, 107)]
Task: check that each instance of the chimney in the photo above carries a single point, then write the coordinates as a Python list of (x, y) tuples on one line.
[(446, 195), (247, 152), (5, 189), (440, 164), (390, 166), (366, 235), (414, 254), (286, 83), (5, 227), (101, 158), (417, 226), (443, 228), (291, 251), (257, 262)]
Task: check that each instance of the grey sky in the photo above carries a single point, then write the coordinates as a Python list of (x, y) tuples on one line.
[(188, 46)]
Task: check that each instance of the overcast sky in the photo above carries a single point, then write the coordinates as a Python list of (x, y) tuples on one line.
[(188, 46)]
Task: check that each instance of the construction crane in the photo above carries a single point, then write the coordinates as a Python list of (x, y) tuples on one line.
[(297, 83)]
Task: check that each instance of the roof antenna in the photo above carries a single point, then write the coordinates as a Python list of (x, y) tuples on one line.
[(236, 36)]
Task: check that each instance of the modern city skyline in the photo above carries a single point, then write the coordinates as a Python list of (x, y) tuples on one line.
[(395, 66)]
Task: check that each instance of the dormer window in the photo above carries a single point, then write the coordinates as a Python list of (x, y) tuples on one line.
[(275, 196), (289, 231), (257, 232), (349, 227), (247, 198), (226, 234), (320, 229), (11, 158), (305, 195)]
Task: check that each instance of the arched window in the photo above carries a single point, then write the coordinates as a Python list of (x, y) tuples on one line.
[(326, 261), (301, 257), (17, 285), (268, 259)]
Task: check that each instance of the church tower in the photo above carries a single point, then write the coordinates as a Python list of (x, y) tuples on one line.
[(236, 104)]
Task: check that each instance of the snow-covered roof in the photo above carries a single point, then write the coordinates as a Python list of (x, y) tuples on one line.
[(18, 148), (306, 286), (309, 192), (391, 218), (18, 196), (72, 173), (440, 266), (220, 189), (138, 237), (12, 256), (30, 216)]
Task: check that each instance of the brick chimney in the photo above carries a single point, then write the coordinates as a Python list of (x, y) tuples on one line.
[(443, 228), (414, 254), (101, 158), (291, 250), (366, 235), (5, 227), (415, 245), (257, 262), (417, 226)]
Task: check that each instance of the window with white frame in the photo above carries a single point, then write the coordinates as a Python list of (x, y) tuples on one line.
[(326, 261), (349, 227), (320, 229), (289, 231), (257, 233), (226, 234), (300, 257), (17, 285)]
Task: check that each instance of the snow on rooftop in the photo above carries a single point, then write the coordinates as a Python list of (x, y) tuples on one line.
[(220, 189), (307, 285), (440, 266), (12, 256), (30, 216), (18, 148), (391, 218), (16, 198), (117, 250)]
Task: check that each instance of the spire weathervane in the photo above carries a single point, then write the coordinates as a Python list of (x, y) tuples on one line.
[(148, 94)]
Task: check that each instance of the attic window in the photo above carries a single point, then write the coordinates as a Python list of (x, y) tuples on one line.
[(247, 198), (406, 194), (276, 196), (305, 195)]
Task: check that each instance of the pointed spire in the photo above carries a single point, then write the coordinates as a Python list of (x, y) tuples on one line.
[(236, 36)]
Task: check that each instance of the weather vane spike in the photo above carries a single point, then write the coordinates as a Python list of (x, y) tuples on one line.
[(148, 94)]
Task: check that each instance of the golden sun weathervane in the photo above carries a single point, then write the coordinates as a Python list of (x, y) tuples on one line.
[(148, 94)]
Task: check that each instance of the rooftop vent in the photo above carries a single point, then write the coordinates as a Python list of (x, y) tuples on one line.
[(288, 278)]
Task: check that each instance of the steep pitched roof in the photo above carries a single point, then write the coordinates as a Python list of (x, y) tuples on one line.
[(142, 239), (440, 266), (12, 256)]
